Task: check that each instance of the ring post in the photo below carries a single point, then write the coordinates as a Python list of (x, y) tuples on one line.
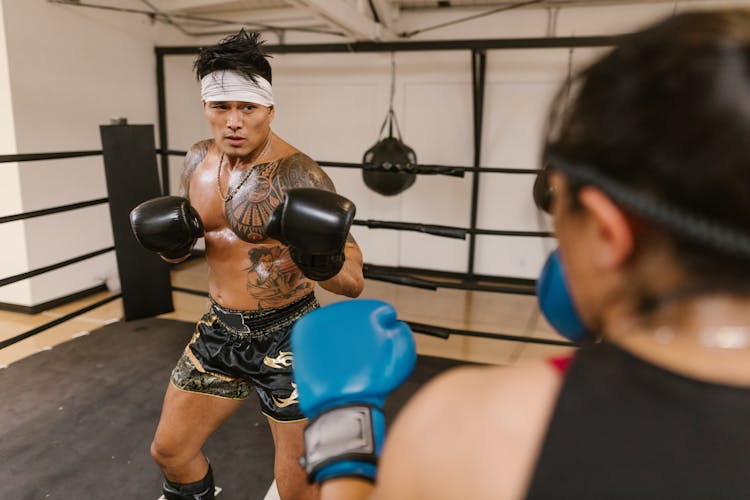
[(132, 178)]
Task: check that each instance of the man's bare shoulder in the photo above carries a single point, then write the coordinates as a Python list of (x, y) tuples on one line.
[(198, 152), (466, 425), (194, 159), (299, 170)]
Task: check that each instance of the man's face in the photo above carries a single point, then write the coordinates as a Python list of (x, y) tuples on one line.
[(238, 128)]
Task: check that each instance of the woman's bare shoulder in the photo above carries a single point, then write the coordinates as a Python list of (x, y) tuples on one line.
[(467, 425)]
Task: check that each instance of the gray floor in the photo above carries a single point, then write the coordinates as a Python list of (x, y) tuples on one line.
[(77, 420)]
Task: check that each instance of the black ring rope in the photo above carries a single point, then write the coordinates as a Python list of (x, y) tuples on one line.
[(407, 279), (452, 170), (439, 331), (442, 332), (62, 319), (401, 279), (42, 270), (446, 231), (371, 273), (53, 210), (47, 156), (434, 169)]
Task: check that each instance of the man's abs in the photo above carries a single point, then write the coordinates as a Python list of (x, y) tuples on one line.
[(249, 276)]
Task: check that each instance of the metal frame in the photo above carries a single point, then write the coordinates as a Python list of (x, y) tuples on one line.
[(478, 78), (478, 50), (411, 277)]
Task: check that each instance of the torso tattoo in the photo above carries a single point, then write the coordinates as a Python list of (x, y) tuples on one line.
[(250, 208), (270, 276)]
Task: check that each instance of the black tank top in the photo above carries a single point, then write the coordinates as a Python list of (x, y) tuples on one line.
[(626, 429)]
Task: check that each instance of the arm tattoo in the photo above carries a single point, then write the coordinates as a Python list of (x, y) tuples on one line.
[(248, 211), (193, 159), (301, 171)]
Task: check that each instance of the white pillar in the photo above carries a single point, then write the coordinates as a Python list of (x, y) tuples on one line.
[(13, 257)]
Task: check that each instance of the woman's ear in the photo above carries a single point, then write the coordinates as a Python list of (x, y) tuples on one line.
[(614, 233)]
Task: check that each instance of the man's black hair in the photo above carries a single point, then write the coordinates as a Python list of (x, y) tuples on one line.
[(242, 52)]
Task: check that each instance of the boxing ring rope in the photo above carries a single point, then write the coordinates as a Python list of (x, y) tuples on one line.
[(409, 277), (53, 210), (457, 171), (14, 158), (55, 322), (446, 231), (440, 331), (47, 156), (478, 50), (46, 269), (401, 276), (436, 230), (423, 169), (396, 275), (416, 278)]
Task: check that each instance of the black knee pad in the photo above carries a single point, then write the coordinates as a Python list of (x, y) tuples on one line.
[(199, 490)]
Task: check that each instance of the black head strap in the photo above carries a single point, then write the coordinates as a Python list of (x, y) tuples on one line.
[(682, 221)]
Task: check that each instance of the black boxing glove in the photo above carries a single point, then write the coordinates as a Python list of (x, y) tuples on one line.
[(167, 225), (314, 224)]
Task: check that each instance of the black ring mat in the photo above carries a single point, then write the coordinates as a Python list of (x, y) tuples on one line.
[(77, 421)]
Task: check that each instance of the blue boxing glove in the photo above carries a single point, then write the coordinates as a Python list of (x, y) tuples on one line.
[(556, 302), (348, 357)]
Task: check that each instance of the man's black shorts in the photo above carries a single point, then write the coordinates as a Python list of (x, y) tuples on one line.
[(233, 351)]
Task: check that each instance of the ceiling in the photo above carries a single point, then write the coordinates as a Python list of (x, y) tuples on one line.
[(358, 19)]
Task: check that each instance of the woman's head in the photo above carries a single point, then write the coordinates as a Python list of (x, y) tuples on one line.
[(660, 127)]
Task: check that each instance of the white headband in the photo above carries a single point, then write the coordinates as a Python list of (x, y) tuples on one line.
[(233, 86)]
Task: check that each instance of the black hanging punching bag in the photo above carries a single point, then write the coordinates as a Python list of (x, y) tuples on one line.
[(389, 163)]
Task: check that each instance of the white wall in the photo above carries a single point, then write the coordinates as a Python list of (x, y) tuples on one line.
[(13, 257), (68, 70), (65, 70), (331, 107)]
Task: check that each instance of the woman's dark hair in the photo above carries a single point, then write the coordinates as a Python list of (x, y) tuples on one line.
[(242, 52), (666, 114)]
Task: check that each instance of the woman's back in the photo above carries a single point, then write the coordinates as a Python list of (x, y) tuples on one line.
[(625, 428)]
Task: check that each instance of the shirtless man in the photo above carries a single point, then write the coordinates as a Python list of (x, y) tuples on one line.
[(234, 185)]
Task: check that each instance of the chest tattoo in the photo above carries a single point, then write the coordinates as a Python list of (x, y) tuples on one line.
[(252, 205), (250, 208)]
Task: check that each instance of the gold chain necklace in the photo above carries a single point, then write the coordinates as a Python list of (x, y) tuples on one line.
[(232, 192)]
